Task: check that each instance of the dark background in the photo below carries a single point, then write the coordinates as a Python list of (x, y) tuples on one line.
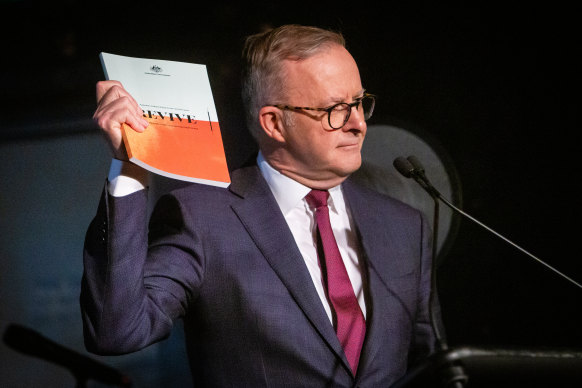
[(497, 86)]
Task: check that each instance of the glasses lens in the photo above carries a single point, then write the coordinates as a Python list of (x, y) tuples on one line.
[(367, 106), (338, 115)]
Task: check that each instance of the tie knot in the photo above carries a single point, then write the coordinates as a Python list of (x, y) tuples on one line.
[(317, 198)]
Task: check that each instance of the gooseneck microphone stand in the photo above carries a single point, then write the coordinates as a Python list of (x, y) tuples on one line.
[(452, 375), (446, 363)]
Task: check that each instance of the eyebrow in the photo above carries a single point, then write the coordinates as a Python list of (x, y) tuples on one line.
[(357, 95)]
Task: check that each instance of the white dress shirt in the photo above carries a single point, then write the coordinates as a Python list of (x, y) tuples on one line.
[(290, 196), (126, 178)]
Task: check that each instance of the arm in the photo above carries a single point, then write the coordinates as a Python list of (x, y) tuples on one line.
[(113, 257), (121, 313)]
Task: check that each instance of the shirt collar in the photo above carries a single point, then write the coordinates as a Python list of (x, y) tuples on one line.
[(288, 192)]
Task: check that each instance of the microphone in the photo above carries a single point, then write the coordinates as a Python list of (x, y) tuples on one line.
[(82, 367), (412, 168), (404, 166)]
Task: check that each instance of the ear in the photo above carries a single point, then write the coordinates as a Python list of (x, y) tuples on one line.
[(271, 120)]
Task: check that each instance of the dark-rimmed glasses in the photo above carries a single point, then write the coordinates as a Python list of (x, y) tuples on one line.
[(339, 114)]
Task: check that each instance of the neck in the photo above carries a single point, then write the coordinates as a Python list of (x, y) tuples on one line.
[(320, 183), (314, 180)]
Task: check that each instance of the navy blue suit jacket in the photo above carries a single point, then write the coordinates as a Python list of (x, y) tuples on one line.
[(226, 262)]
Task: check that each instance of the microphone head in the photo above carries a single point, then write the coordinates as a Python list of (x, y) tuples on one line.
[(25, 340), (30, 342), (403, 166), (416, 165)]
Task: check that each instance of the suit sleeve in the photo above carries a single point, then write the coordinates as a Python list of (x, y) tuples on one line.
[(131, 291)]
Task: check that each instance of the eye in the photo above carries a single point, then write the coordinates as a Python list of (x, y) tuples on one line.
[(340, 107)]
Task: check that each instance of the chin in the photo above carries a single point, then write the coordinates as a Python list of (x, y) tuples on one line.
[(349, 166)]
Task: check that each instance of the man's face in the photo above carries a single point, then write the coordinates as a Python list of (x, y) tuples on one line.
[(313, 153)]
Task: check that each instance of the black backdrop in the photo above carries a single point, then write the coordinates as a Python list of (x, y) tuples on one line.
[(497, 86)]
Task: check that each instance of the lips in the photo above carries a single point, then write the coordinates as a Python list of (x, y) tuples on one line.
[(348, 145)]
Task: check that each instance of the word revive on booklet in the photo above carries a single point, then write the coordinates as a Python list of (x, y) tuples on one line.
[(183, 139)]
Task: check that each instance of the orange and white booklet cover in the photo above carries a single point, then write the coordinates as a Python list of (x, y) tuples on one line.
[(183, 139)]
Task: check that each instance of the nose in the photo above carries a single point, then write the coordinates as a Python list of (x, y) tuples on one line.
[(356, 121)]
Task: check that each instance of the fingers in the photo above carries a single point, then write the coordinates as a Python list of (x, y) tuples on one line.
[(116, 107), (111, 113), (109, 92)]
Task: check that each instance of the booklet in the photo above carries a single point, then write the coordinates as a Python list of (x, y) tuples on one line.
[(183, 139)]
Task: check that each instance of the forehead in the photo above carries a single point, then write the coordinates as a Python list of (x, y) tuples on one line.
[(328, 76)]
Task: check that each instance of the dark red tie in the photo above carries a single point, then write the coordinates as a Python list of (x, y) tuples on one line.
[(350, 327)]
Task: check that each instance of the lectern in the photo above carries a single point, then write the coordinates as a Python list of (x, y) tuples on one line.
[(474, 367)]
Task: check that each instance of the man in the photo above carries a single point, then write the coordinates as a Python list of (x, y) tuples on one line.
[(269, 294)]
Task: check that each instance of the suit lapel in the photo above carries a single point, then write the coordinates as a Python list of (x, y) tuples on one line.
[(259, 213), (370, 229)]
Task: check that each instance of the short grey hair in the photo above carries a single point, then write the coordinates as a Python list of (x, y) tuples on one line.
[(264, 53)]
